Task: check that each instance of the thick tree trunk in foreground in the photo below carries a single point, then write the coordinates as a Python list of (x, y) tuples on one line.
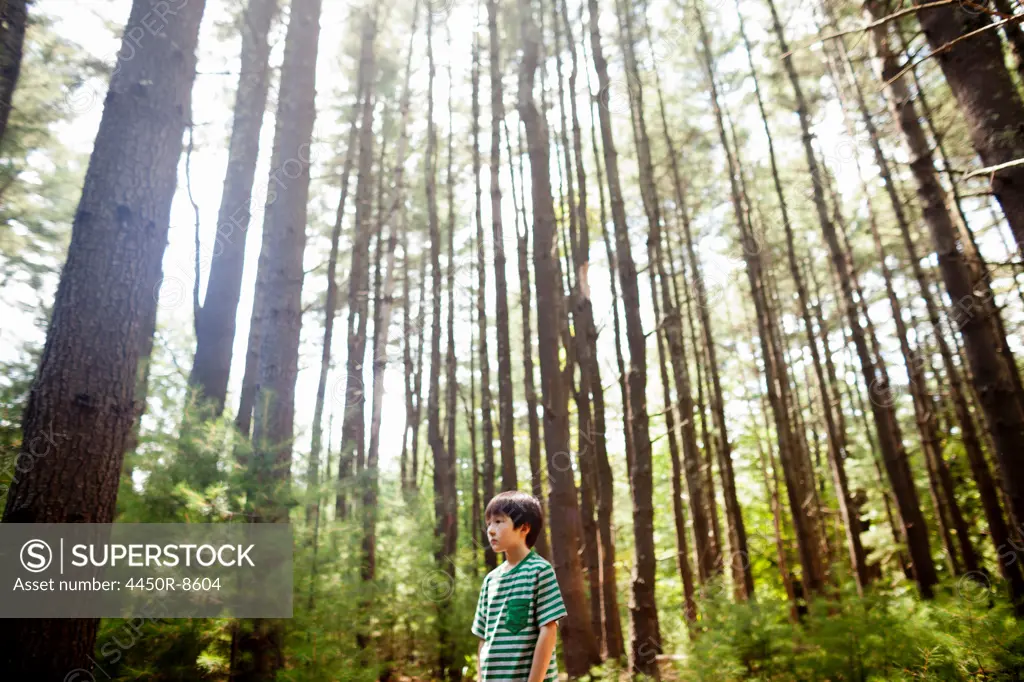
[(580, 644), (82, 408), (991, 105), (215, 324), (590, 434), (590, 372), (13, 20)]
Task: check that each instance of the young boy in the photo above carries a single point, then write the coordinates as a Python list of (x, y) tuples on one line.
[(520, 604)]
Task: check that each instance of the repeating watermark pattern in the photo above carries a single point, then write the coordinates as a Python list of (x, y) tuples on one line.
[(112, 650), (974, 587), (36, 449), (155, 570), (617, 96)]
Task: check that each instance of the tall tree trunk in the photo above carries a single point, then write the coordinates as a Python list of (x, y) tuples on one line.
[(215, 323), (421, 330), (931, 443), (533, 424), (610, 254), (353, 428), (645, 634), (81, 409), (682, 554), (612, 640), (986, 95), (699, 480), (279, 283), (990, 375), (13, 20), (478, 526), (505, 419), (450, 384), (590, 369), (396, 204), (836, 435), (889, 435), (331, 302), (799, 482), (487, 436), (590, 432), (580, 648), (446, 521)]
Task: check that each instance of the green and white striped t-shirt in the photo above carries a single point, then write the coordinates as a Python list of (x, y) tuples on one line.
[(513, 605)]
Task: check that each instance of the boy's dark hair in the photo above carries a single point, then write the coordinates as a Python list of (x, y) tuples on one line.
[(521, 508)]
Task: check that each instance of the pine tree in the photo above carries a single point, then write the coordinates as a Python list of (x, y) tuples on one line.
[(82, 405)]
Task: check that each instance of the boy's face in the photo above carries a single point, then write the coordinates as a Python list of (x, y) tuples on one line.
[(503, 535)]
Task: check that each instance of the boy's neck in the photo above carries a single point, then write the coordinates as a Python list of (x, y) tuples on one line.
[(513, 555)]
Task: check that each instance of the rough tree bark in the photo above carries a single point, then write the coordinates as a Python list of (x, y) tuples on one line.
[(645, 635), (80, 412), (987, 97), (581, 651)]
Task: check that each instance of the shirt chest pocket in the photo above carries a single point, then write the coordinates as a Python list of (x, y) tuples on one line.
[(517, 614)]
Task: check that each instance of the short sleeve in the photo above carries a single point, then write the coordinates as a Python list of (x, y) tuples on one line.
[(480, 619), (550, 606)]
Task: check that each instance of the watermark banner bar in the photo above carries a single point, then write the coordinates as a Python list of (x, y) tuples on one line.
[(152, 570)]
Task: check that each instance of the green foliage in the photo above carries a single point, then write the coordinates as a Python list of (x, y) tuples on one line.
[(40, 178), (885, 635)]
